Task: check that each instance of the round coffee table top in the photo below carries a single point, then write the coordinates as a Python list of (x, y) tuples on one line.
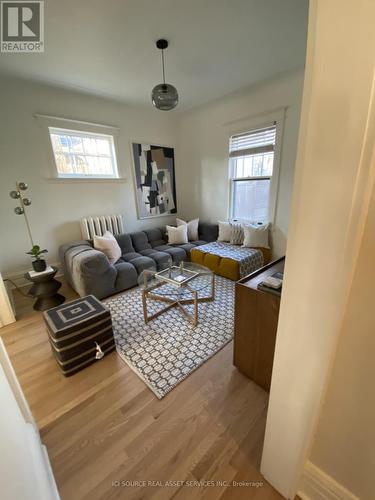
[(176, 278)]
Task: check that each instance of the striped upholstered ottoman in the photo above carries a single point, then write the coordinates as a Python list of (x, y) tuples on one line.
[(80, 333)]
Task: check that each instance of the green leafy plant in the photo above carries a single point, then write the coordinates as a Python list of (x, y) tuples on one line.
[(36, 252)]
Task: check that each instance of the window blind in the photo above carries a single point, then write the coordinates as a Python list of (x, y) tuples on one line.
[(254, 142)]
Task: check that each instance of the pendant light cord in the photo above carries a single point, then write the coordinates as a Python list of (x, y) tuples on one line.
[(162, 62)]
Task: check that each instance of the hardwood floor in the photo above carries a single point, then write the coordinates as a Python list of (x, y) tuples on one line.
[(105, 430)]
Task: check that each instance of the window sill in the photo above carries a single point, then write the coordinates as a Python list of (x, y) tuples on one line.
[(93, 180)]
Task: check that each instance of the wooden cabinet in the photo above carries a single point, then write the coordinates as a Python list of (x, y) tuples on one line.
[(256, 318)]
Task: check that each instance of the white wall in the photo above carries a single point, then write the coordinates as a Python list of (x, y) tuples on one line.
[(200, 138), (335, 173), (57, 206), (345, 437), (203, 187), (25, 471)]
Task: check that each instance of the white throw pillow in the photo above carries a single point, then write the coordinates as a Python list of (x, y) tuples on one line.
[(225, 231), (177, 235), (256, 236), (109, 246), (192, 228)]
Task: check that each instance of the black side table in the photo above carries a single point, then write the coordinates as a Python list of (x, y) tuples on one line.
[(44, 289)]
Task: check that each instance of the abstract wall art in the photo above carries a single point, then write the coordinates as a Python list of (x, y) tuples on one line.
[(154, 176)]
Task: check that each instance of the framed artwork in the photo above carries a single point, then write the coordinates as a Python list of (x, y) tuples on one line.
[(154, 179)]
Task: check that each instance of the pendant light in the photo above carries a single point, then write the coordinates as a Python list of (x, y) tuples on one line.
[(164, 96)]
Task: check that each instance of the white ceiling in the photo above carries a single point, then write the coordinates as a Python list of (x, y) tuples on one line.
[(106, 47)]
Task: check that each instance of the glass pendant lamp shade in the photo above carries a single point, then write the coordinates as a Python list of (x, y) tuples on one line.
[(164, 96)]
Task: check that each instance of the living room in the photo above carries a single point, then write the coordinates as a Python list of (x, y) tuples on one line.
[(151, 172)]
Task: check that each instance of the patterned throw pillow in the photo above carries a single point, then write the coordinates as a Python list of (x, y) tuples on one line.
[(237, 235)]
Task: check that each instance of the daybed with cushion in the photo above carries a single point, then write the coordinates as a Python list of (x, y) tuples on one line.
[(231, 261), (239, 250)]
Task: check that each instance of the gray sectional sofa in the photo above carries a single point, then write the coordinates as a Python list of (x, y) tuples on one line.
[(88, 271)]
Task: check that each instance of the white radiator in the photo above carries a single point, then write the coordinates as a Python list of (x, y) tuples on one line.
[(97, 226)]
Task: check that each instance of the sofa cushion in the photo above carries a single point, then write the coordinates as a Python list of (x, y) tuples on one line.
[(158, 243), (208, 232), (140, 241), (125, 243), (197, 243), (156, 237), (141, 263), (127, 276), (67, 254), (148, 252), (185, 246), (92, 274), (161, 258), (163, 248), (128, 257), (177, 254)]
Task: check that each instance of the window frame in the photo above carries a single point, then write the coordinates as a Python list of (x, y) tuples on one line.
[(47, 122), (275, 118), (85, 133), (235, 180)]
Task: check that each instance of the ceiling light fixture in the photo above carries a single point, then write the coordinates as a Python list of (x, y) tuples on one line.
[(164, 96)]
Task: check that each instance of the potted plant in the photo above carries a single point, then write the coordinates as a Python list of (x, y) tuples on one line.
[(38, 264)]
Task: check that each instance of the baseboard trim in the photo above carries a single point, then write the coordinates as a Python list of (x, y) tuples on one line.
[(317, 485)]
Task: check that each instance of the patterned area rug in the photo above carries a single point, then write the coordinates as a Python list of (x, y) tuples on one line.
[(166, 350)]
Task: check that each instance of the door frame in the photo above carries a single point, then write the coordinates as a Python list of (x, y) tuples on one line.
[(334, 179)]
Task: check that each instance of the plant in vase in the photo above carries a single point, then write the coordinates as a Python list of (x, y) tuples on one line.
[(38, 264)]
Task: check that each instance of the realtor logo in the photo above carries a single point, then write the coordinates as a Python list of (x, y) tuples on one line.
[(22, 26)]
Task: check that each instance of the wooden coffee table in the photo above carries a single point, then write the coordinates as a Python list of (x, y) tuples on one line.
[(177, 286)]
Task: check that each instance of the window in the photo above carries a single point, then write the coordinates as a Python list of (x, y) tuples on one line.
[(83, 154), (251, 160)]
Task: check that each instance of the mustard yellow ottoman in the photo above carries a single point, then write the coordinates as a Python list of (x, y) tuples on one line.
[(230, 261)]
